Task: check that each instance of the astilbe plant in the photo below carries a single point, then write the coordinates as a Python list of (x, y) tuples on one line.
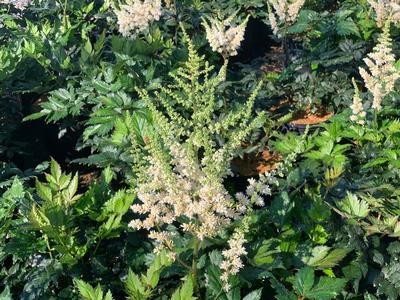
[(379, 78), (382, 73), (282, 14), (184, 183)]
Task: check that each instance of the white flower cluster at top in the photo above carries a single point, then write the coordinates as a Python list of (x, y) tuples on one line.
[(19, 4), (283, 12), (382, 73), (386, 10), (224, 36), (136, 15)]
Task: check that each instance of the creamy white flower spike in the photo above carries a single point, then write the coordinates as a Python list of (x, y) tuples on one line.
[(359, 114), (224, 36), (136, 15), (283, 12), (232, 262), (382, 73), (386, 10)]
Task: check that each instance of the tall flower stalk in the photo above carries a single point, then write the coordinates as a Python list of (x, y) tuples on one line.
[(282, 14), (182, 193)]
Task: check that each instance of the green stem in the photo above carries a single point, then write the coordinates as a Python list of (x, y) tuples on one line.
[(285, 47), (46, 238), (194, 264), (97, 246), (65, 13), (375, 119)]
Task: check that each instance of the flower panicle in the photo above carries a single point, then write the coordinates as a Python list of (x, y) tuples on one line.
[(136, 15), (283, 12), (381, 73), (224, 36), (386, 11)]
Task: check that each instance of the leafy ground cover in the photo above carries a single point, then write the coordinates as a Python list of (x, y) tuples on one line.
[(197, 149)]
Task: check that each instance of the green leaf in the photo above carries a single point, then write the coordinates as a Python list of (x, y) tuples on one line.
[(254, 295), (354, 207), (185, 292), (304, 281), (214, 284), (15, 191), (304, 21), (281, 207), (72, 187), (101, 86), (134, 287), (326, 288), (266, 254), (322, 257), (89, 293), (6, 294), (347, 27), (282, 292), (44, 191), (55, 170)]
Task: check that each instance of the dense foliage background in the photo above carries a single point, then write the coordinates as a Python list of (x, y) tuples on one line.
[(199, 149)]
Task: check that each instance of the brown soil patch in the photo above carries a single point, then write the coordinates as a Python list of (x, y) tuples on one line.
[(36, 105), (87, 179), (307, 117), (274, 60), (267, 68), (282, 103), (254, 164)]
